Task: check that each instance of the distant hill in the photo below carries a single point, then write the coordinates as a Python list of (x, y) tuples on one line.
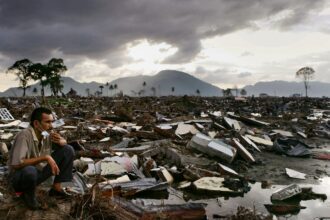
[(284, 88), (183, 83)]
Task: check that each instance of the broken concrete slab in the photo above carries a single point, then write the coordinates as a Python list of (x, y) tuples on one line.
[(259, 140), (232, 123), (214, 147), (247, 142), (244, 153), (224, 170)]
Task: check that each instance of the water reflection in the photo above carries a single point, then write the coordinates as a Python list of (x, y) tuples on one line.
[(257, 197)]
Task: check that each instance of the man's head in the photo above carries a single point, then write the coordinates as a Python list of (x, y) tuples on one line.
[(41, 119)]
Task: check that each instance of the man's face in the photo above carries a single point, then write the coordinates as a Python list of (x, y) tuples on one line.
[(46, 122)]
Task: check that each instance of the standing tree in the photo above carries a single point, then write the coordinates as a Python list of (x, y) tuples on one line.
[(38, 72), (55, 67), (107, 86), (101, 88), (236, 90), (227, 92), (115, 88), (243, 92), (35, 91), (306, 73), (153, 89), (111, 88), (88, 91), (21, 69)]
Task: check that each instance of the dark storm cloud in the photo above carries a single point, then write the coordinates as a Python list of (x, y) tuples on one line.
[(101, 28)]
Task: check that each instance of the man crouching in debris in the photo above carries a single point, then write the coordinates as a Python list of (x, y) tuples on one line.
[(38, 153)]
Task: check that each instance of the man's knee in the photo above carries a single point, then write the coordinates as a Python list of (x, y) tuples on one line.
[(29, 174), (69, 151)]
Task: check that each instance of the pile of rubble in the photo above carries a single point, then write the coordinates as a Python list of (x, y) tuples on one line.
[(134, 154)]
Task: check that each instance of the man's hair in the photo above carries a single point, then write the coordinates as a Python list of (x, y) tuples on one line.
[(37, 114)]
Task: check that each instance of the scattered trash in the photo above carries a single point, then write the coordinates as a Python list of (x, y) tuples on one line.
[(134, 154), (5, 114), (286, 192)]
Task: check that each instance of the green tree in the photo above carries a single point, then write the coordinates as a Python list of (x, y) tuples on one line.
[(55, 68), (21, 69), (306, 73)]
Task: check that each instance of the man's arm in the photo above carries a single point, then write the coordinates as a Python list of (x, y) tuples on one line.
[(57, 139), (37, 160)]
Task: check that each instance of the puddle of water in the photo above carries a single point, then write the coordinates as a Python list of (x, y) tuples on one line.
[(256, 198)]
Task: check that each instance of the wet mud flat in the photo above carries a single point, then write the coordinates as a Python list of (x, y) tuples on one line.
[(183, 157)]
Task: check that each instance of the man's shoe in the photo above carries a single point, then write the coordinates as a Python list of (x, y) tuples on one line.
[(30, 200), (61, 194)]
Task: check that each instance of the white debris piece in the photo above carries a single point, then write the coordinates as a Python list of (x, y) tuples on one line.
[(283, 133), (216, 114), (183, 129), (11, 124), (24, 124), (295, 174), (122, 179), (226, 170), (259, 140), (6, 136), (58, 123), (105, 139), (211, 184), (165, 127)]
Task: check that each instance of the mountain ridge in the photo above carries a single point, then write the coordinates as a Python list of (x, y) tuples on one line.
[(183, 83)]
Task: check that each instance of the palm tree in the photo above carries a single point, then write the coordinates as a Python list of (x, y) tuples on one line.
[(115, 88), (107, 86), (142, 91), (101, 88), (111, 88)]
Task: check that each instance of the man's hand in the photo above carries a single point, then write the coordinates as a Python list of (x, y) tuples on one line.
[(53, 165), (57, 139)]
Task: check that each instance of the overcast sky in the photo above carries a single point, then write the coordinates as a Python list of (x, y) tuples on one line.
[(223, 42)]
